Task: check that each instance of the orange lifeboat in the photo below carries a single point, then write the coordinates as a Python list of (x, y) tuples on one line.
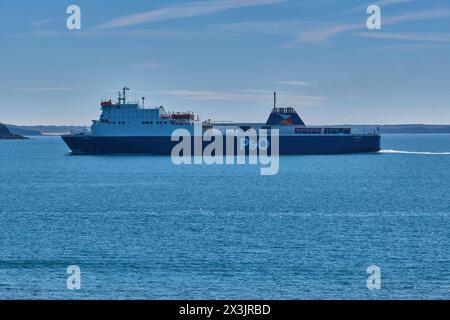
[(106, 103)]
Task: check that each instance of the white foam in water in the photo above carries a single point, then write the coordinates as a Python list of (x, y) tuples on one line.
[(413, 152)]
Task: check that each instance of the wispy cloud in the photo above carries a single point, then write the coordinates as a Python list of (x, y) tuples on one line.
[(429, 14), (263, 27), (149, 65), (385, 3), (262, 96), (186, 10), (409, 36), (40, 23), (407, 46), (294, 83), (324, 34), (139, 33), (44, 89), (381, 3)]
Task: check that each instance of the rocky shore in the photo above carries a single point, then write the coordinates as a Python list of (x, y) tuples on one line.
[(5, 134)]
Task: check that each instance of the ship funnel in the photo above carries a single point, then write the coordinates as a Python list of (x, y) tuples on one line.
[(283, 116)]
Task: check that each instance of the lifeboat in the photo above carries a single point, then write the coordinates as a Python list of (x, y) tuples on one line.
[(106, 103)]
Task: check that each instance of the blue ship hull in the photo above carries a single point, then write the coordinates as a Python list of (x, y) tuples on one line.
[(288, 145)]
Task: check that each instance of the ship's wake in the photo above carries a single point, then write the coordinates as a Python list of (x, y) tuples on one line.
[(389, 151)]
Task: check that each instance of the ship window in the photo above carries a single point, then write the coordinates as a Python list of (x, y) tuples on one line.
[(165, 122), (308, 130), (337, 131)]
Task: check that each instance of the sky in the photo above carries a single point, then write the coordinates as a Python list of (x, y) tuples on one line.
[(223, 59)]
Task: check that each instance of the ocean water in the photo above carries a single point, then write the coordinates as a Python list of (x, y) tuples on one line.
[(140, 227)]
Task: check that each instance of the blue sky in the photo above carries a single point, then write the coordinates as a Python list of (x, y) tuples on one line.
[(223, 58)]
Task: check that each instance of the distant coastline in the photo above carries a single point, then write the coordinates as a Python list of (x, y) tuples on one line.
[(39, 130), (43, 130), (401, 128)]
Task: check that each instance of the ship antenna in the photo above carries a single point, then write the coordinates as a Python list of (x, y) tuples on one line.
[(120, 97), (275, 100), (143, 101)]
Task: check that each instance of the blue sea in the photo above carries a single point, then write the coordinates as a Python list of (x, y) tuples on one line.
[(140, 227)]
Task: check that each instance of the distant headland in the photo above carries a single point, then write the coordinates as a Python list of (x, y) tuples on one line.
[(50, 130), (5, 134), (45, 130), (402, 128)]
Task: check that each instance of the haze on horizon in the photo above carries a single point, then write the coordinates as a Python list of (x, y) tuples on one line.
[(223, 59)]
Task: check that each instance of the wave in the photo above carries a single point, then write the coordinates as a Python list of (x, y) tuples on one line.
[(413, 152)]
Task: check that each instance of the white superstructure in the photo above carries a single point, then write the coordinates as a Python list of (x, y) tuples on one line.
[(131, 119)]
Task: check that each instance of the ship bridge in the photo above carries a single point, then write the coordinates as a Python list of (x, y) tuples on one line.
[(126, 118)]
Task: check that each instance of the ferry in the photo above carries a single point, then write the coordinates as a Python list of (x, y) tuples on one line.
[(132, 128)]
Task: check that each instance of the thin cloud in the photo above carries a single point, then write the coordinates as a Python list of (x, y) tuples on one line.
[(119, 33), (385, 3), (430, 14), (263, 27), (149, 65), (186, 10), (294, 83), (381, 3), (262, 96), (407, 46), (409, 36), (40, 23), (44, 89), (324, 34)]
